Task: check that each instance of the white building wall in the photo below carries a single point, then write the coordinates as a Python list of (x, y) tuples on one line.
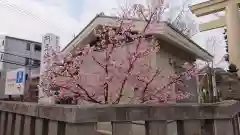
[(19, 48), (8, 62), (2, 42)]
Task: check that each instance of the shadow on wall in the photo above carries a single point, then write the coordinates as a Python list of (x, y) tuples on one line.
[(228, 84), (138, 128)]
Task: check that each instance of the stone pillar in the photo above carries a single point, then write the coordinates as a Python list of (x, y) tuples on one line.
[(223, 127), (50, 43), (233, 32)]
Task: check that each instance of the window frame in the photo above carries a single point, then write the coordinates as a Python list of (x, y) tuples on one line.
[(27, 61), (28, 46), (36, 62), (39, 48)]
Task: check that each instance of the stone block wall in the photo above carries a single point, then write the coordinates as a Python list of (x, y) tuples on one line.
[(38, 119)]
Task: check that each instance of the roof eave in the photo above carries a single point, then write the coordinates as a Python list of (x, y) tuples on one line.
[(186, 43), (163, 30)]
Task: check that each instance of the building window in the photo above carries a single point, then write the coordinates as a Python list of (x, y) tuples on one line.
[(27, 61), (37, 48), (28, 46), (3, 42), (1, 56), (36, 62), (26, 77)]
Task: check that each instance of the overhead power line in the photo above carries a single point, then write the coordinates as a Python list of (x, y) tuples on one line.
[(30, 15), (17, 55), (17, 63)]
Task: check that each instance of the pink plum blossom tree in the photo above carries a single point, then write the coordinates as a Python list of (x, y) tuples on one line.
[(118, 68)]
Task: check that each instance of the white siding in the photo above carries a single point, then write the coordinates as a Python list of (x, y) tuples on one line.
[(17, 47)]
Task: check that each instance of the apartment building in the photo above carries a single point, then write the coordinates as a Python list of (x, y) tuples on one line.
[(17, 53)]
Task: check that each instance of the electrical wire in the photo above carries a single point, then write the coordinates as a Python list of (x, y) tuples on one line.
[(17, 55), (17, 63), (30, 14)]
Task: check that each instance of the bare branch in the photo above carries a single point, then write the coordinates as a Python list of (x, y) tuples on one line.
[(147, 84), (100, 64)]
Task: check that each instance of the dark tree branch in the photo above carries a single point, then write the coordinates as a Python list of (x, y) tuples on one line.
[(147, 84), (100, 64), (131, 64), (85, 91), (174, 80)]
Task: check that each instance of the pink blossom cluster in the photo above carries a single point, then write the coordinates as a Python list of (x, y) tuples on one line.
[(118, 68)]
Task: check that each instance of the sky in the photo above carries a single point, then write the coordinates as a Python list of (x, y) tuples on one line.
[(31, 19)]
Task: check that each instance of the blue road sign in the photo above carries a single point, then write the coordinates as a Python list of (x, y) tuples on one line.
[(20, 76)]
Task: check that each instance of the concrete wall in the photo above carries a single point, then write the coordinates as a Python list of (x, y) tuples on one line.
[(173, 58), (19, 47), (32, 118), (2, 43), (228, 85)]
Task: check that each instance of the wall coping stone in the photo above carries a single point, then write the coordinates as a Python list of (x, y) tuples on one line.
[(106, 113)]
